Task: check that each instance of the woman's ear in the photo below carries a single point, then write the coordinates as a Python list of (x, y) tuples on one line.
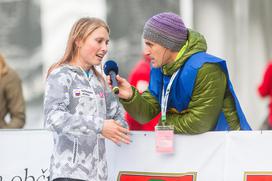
[(78, 43)]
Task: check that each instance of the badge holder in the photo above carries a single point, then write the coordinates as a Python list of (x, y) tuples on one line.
[(164, 135)]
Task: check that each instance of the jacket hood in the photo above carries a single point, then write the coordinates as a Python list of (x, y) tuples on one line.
[(195, 43)]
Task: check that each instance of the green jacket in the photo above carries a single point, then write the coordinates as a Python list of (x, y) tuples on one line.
[(210, 96)]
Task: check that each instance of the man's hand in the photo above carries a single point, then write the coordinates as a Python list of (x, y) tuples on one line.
[(125, 90)]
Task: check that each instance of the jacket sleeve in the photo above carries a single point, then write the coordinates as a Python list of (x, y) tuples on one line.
[(56, 101), (114, 109), (15, 101), (143, 107)]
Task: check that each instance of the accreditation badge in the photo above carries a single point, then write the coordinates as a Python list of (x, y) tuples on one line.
[(164, 136)]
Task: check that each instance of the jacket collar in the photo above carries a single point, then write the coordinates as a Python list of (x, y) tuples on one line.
[(195, 43), (79, 70)]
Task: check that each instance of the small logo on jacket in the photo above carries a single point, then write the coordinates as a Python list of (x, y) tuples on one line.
[(82, 93), (76, 92), (101, 94)]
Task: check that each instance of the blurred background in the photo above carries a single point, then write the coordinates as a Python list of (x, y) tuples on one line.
[(33, 35)]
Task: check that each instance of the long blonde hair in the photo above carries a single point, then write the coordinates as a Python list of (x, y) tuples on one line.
[(3, 66), (80, 31)]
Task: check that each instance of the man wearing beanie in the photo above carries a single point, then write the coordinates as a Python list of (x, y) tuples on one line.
[(190, 87)]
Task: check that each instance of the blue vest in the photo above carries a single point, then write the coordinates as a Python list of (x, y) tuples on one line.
[(183, 85)]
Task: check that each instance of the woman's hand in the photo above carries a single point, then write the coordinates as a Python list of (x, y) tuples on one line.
[(125, 91), (115, 132)]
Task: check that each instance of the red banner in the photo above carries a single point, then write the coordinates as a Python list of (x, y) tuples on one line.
[(258, 178), (145, 176)]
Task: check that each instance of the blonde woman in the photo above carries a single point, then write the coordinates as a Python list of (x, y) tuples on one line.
[(79, 107), (11, 97)]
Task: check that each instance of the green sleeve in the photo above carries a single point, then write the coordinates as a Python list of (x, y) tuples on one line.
[(205, 105), (143, 107), (230, 112)]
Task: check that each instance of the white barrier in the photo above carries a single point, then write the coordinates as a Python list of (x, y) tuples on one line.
[(213, 156), (25, 155)]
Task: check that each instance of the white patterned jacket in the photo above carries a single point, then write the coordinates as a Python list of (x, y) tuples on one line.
[(75, 108)]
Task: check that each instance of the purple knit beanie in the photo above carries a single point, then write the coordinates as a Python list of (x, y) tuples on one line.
[(166, 29)]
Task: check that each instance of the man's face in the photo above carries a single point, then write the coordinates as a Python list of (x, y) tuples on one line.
[(159, 55)]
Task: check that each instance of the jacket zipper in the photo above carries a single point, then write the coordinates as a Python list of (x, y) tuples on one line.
[(75, 149)]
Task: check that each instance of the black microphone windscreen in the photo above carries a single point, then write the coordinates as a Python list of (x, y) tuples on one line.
[(110, 65)]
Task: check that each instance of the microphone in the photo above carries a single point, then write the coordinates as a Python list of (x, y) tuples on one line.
[(111, 69)]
